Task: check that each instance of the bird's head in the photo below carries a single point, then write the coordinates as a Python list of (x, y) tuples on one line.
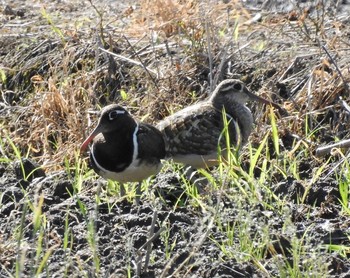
[(234, 91), (112, 119)]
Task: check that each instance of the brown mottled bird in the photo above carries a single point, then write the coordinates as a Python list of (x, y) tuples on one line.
[(123, 149), (193, 134)]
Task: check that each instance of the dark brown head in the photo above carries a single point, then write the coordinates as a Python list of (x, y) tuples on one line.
[(113, 119)]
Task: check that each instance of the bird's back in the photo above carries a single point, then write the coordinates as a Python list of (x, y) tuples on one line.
[(193, 135)]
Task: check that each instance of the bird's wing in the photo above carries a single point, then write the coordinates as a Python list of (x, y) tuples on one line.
[(193, 131), (150, 142)]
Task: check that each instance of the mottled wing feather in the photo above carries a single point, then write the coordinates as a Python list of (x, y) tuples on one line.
[(194, 132)]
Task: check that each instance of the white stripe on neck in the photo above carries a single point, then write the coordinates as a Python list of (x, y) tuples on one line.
[(95, 160), (135, 143)]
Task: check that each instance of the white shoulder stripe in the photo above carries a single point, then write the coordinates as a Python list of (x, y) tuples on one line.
[(136, 145)]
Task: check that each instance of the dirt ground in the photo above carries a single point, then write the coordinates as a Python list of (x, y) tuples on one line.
[(111, 239)]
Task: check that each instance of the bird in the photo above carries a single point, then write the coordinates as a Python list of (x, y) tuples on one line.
[(194, 134), (124, 149)]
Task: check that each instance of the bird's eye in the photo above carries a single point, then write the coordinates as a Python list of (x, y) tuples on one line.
[(114, 114), (237, 86)]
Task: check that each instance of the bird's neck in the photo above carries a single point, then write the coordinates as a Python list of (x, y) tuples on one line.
[(117, 149), (127, 130), (242, 115)]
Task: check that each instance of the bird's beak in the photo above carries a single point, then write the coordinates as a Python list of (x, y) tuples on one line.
[(91, 137), (265, 101)]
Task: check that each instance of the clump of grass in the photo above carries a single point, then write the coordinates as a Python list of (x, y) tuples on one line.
[(55, 29), (250, 238), (343, 179), (34, 250)]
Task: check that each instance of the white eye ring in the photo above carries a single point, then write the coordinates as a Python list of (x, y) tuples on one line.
[(113, 114)]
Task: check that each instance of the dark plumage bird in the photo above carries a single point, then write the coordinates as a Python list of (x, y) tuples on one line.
[(194, 133), (123, 149)]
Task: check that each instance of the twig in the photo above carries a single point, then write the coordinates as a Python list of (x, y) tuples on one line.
[(331, 171), (321, 151), (151, 233), (344, 104), (142, 64), (293, 63), (148, 245), (19, 25), (164, 46), (141, 49), (346, 86), (210, 56), (223, 60), (148, 242), (194, 251), (100, 15), (326, 108), (129, 61), (21, 35), (309, 96), (97, 53)]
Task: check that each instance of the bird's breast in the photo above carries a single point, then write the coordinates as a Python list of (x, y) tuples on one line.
[(137, 171)]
